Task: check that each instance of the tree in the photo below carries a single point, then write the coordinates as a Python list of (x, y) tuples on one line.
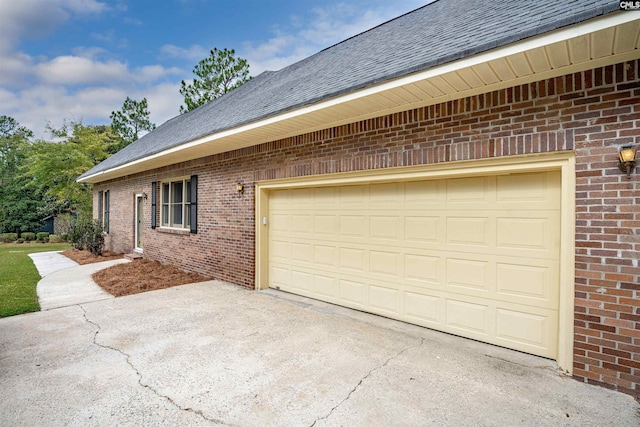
[(53, 167), (217, 74), (132, 119), (21, 208)]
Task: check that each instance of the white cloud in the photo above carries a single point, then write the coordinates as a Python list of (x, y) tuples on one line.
[(36, 18), (193, 52), (89, 52), (14, 68), (75, 70)]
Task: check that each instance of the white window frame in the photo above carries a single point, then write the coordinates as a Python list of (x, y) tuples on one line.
[(167, 218)]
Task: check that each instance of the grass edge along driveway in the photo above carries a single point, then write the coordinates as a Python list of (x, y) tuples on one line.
[(19, 277)]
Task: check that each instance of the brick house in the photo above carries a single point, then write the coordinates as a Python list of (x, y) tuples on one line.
[(456, 167)]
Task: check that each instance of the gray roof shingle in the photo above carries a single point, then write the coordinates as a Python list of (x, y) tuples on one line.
[(440, 32)]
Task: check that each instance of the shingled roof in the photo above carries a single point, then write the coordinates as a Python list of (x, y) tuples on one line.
[(435, 34)]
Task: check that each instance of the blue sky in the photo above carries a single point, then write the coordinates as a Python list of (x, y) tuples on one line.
[(79, 59)]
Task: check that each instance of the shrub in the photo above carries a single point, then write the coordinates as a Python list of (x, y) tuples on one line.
[(8, 237), (94, 239), (87, 233), (63, 223), (55, 238), (20, 240), (77, 233), (28, 236), (65, 237), (43, 237)]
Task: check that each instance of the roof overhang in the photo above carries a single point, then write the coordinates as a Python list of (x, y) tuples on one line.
[(606, 40)]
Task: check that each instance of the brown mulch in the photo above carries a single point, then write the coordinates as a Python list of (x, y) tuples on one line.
[(142, 275), (86, 257)]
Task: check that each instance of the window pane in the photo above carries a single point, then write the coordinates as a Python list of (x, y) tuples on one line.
[(176, 211), (187, 196), (165, 214), (176, 192), (187, 216), (165, 193)]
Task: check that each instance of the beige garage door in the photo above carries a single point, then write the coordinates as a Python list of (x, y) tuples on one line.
[(476, 257)]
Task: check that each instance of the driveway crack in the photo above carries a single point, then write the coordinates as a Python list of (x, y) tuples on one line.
[(357, 386), (139, 375)]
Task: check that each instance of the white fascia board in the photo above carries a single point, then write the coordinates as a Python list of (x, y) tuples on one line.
[(577, 30)]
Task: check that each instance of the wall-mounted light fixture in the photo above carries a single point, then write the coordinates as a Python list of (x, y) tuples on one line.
[(240, 188), (144, 196), (627, 160)]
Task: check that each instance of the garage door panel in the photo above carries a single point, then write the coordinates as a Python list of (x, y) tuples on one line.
[(279, 223), (353, 259), (302, 224), (326, 226), (385, 299), (279, 276), (325, 286), (468, 275), (424, 193), (424, 269), (531, 191), (324, 197), (353, 195), (385, 194), (475, 190), (354, 226), (475, 231), (301, 280), (424, 229), (280, 250), (527, 331), (385, 263), (528, 233), (325, 255), (533, 284), (470, 317), (385, 227), (470, 256), (355, 293), (423, 309)]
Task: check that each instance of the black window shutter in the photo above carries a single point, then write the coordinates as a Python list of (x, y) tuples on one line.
[(106, 211), (100, 206), (154, 213), (194, 204)]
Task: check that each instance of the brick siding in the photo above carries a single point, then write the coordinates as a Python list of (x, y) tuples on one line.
[(592, 112)]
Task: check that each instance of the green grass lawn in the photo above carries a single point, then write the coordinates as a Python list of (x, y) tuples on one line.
[(19, 276)]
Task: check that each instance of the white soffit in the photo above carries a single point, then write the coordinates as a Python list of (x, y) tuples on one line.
[(603, 41)]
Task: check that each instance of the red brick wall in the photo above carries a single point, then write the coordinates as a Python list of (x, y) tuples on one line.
[(593, 113)]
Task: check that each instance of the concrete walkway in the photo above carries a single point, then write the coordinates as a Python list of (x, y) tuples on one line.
[(66, 283), (215, 354)]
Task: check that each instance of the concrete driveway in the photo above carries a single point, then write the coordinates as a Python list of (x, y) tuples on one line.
[(212, 353)]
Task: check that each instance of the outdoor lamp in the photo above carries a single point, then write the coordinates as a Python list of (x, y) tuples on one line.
[(627, 160), (240, 187)]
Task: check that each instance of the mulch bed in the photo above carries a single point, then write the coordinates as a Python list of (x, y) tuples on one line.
[(86, 257), (142, 275)]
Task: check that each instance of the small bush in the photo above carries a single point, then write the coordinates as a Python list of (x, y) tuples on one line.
[(28, 237), (87, 233), (55, 238), (20, 240), (8, 237), (65, 237), (42, 237)]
